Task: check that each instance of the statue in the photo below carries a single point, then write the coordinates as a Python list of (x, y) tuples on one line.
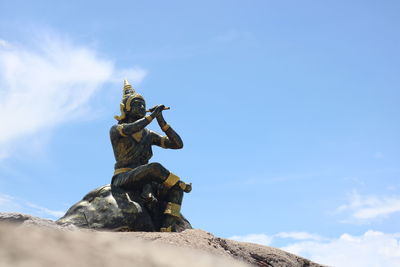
[(142, 196), (132, 145)]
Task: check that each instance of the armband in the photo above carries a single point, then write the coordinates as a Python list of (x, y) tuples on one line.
[(165, 127), (148, 118), (173, 209), (171, 180)]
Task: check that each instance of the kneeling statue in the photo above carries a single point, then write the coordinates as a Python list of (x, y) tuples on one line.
[(132, 144)]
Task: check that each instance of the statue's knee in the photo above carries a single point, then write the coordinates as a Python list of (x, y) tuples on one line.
[(155, 165), (158, 168)]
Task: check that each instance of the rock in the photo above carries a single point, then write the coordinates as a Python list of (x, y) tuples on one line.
[(29, 220), (254, 254), (112, 208), (86, 247), (33, 246)]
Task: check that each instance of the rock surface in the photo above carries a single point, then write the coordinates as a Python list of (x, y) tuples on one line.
[(110, 208), (38, 247), (31, 241)]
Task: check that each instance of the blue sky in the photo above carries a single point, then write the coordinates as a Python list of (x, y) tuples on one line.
[(288, 111)]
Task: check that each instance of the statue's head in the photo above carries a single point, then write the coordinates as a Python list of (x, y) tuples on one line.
[(132, 105)]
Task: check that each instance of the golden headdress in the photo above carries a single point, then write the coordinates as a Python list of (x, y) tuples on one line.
[(128, 94)]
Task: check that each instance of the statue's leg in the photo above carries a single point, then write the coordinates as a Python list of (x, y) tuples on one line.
[(173, 209), (156, 172), (141, 175), (149, 173)]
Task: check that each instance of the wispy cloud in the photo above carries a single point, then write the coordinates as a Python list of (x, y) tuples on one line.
[(45, 85), (299, 236), (8, 203), (3, 43), (363, 209), (262, 239), (46, 211), (12, 204), (266, 240), (370, 249), (135, 75)]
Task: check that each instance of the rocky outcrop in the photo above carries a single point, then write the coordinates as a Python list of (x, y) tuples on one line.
[(110, 208), (33, 246), (47, 243), (19, 219)]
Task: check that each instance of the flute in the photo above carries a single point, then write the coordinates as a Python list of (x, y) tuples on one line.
[(151, 110)]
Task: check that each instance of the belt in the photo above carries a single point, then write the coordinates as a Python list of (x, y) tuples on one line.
[(122, 170)]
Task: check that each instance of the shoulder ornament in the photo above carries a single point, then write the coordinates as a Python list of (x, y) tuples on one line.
[(120, 128)]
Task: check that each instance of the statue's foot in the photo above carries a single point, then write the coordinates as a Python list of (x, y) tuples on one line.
[(185, 187), (166, 229), (168, 224)]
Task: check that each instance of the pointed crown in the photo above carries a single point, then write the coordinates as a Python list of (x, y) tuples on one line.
[(128, 94), (128, 91)]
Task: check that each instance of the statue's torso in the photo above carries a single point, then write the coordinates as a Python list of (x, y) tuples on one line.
[(131, 151)]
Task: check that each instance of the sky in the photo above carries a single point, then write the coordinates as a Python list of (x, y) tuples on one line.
[(288, 111)]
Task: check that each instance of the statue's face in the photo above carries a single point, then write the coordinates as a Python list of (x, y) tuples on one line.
[(138, 108)]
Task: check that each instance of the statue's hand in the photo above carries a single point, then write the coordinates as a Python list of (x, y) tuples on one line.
[(160, 108), (149, 198), (157, 107), (153, 108), (156, 110)]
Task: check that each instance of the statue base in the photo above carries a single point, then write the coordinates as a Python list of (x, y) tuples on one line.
[(110, 208)]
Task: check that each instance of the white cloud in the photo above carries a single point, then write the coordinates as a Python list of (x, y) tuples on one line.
[(299, 236), (266, 240), (370, 249), (8, 203), (135, 74), (13, 204), (44, 86), (46, 211), (366, 208), (3, 43), (254, 238), (373, 248)]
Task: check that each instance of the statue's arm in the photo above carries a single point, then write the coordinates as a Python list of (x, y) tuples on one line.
[(171, 139), (136, 126)]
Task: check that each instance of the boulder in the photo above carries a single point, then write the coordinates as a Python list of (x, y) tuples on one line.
[(20, 219), (111, 208), (36, 246), (67, 245)]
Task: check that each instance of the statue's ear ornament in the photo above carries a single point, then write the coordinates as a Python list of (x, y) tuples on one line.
[(128, 102), (123, 115)]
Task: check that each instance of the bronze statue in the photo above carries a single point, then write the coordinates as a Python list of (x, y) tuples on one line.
[(132, 143)]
